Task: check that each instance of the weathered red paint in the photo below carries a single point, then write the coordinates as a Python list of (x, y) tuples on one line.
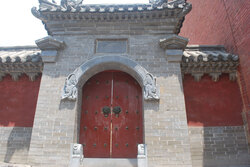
[(18, 101), (127, 95), (224, 22), (96, 94), (210, 103), (114, 136)]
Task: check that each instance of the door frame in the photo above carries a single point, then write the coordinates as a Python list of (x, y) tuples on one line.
[(114, 74), (98, 64), (79, 107), (105, 63)]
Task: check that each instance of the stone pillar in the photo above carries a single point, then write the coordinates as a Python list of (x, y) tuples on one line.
[(52, 133), (166, 129)]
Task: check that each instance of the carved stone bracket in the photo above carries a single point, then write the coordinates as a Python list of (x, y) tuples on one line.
[(215, 76), (1, 76), (173, 46), (197, 70), (76, 79), (49, 47), (15, 75), (232, 76), (212, 60), (31, 69), (197, 76), (32, 75)]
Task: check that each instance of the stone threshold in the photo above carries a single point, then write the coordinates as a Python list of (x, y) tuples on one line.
[(110, 162), (2, 164)]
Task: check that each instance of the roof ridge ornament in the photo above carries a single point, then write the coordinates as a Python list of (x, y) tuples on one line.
[(69, 3), (174, 3), (75, 10), (53, 3), (158, 2)]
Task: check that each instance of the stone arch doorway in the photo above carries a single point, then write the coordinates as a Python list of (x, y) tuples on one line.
[(111, 123)]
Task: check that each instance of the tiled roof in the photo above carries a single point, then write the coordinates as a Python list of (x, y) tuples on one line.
[(213, 60), (20, 60), (46, 6), (20, 54), (203, 53), (53, 15)]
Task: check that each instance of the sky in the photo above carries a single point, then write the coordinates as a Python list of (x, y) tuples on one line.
[(18, 27)]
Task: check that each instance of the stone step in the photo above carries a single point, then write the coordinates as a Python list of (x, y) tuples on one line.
[(2, 164), (110, 162)]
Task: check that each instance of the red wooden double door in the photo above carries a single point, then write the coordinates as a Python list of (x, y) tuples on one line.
[(111, 119)]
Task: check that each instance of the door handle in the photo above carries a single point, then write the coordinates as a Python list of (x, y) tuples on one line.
[(117, 110), (106, 111)]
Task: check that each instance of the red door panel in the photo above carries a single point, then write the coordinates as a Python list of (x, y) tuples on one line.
[(94, 126), (116, 135), (127, 126)]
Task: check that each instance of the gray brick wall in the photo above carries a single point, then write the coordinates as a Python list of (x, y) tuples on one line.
[(165, 125), (219, 146), (14, 144)]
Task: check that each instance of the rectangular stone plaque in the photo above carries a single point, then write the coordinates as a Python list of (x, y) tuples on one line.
[(111, 46)]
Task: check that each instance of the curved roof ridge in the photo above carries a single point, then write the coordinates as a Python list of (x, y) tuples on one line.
[(26, 47)]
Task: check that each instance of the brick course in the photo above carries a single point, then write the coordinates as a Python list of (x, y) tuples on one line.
[(219, 146)]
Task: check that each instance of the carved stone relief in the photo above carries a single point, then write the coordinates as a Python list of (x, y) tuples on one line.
[(150, 89), (142, 155), (77, 151), (76, 155), (70, 89), (141, 149), (158, 2)]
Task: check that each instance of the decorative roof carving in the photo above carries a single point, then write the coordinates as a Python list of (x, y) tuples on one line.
[(20, 60), (68, 3), (78, 6), (158, 2), (213, 60), (75, 10)]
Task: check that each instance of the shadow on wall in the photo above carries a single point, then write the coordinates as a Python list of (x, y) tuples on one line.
[(216, 130), (225, 146), (18, 145), (219, 146)]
